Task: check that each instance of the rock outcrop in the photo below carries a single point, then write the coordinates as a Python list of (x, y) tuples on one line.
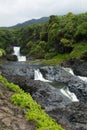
[(79, 67), (71, 115), (11, 57)]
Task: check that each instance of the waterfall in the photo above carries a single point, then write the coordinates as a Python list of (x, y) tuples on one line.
[(17, 53), (69, 94), (83, 78), (39, 76), (71, 72)]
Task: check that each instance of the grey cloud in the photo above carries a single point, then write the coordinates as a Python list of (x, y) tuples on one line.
[(15, 11)]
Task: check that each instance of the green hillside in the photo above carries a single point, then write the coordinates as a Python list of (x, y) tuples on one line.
[(60, 38)]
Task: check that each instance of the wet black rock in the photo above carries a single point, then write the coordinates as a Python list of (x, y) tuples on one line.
[(11, 57), (17, 69), (55, 73), (79, 67), (73, 82), (73, 116)]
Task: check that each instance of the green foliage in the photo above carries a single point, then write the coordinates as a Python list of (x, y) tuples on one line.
[(79, 49), (59, 58), (11, 86), (7, 38), (43, 36), (21, 99), (29, 44), (66, 42), (53, 19), (50, 54), (81, 33), (2, 52), (38, 50), (33, 110), (37, 40)]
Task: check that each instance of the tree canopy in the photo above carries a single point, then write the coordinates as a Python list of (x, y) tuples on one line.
[(46, 39)]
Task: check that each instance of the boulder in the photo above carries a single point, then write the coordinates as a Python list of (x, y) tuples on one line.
[(72, 117), (11, 57), (79, 67)]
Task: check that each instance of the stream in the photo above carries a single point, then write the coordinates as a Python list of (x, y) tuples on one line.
[(58, 90)]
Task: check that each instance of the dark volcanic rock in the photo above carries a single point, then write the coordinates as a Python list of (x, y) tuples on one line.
[(79, 88), (17, 69), (75, 85), (73, 116), (55, 73), (11, 57), (12, 117), (46, 95), (79, 67), (22, 74)]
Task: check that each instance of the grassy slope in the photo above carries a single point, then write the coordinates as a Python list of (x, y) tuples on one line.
[(77, 52)]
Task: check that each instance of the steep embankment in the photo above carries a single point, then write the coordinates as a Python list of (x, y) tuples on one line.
[(12, 117), (33, 111)]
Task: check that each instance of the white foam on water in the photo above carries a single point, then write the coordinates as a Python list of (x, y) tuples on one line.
[(69, 94), (39, 76), (17, 53)]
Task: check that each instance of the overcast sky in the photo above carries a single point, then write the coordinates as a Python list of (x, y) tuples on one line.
[(17, 11)]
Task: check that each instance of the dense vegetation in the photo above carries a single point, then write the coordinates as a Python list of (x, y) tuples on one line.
[(59, 37), (33, 110)]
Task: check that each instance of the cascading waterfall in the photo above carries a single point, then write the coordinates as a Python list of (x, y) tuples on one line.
[(83, 78), (66, 92), (71, 72), (17, 53), (39, 76), (70, 95)]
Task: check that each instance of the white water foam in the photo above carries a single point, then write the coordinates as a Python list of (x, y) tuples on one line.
[(69, 94), (17, 53), (71, 72), (83, 78), (66, 92), (39, 76)]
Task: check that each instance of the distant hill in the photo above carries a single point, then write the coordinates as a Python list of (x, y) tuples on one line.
[(30, 22)]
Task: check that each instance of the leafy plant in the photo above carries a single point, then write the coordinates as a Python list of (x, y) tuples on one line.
[(33, 110), (2, 52)]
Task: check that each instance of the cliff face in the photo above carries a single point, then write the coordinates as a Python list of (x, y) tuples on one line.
[(11, 116)]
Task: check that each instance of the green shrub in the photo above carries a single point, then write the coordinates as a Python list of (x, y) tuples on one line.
[(2, 52), (11, 86), (49, 55), (33, 110)]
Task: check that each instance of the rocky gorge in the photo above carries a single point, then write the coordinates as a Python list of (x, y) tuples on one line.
[(70, 113)]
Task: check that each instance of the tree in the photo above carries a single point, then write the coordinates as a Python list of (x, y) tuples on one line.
[(81, 33)]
